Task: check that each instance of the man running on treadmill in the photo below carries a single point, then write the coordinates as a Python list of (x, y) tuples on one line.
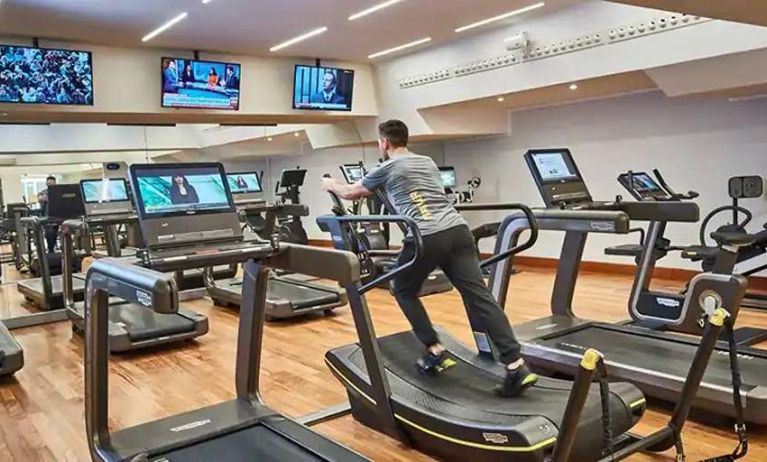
[(414, 186)]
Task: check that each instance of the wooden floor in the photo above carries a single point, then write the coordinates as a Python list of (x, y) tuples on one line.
[(41, 408)]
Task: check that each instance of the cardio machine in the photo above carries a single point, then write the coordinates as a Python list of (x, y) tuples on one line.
[(739, 187), (287, 295), (206, 234), (374, 237), (664, 310), (288, 190), (46, 291), (552, 343), (455, 416)]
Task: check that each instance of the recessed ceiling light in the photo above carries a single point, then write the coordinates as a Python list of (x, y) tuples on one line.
[(205, 2), (269, 139), (400, 48), (300, 38), (297, 134), (500, 17), (501, 99), (373, 9), (573, 86), (164, 27)]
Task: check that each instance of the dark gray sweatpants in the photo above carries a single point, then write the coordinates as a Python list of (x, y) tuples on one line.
[(453, 250)]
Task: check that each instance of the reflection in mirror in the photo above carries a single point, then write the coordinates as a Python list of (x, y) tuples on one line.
[(28, 250)]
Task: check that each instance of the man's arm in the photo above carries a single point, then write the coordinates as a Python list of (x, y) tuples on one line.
[(349, 192)]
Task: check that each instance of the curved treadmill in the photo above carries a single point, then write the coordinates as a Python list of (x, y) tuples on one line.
[(551, 344), (455, 415), (131, 326)]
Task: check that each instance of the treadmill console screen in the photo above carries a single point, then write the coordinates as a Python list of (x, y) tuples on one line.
[(180, 189), (353, 172), (558, 178), (65, 201), (448, 177), (106, 190), (292, 178), (644, 186), (244, 183), (553, 167)]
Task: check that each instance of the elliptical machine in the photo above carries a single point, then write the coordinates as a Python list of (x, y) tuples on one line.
[(289, 225)]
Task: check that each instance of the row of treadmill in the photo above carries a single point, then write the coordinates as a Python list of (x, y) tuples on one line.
[(598, 375)]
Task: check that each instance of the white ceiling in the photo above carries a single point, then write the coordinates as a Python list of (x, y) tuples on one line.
[(251, 27), (748, 11)]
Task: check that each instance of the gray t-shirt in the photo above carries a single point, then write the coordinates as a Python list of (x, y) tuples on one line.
[(414, 187)]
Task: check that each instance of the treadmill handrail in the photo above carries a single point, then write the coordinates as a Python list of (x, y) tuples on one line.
[(105, 277), (334, 225), (134, 284), (519, 248), (66, 231)]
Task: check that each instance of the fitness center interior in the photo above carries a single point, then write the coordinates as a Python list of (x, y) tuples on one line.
[(178, 284)]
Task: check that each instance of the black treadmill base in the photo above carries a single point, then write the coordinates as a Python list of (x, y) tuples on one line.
[(436, 447), (243, 446)]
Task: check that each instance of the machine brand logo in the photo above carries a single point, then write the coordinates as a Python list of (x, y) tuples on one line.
[(495, 438), (668, 302), (572, 346), (740, 356), (144, 298), (602, 226), (164, 225), (191, 425)]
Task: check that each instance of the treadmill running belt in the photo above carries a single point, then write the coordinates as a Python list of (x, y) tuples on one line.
[(300, 295), (257, 443), (144, 324), (621, 345), (460, 402)]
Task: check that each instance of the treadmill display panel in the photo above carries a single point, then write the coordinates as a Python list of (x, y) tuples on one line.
[(353, 172), (181, 189), (106, 190), (244, 183), (643, 185), (448, 177), (554, 167)]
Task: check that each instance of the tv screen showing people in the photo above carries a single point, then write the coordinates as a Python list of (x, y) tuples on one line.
[(187, 83), (244, 183), (323, 88), (106, 190), (448, 177), (45, 76), (180, 190)]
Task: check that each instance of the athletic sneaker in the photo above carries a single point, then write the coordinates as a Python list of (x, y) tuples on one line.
[(435, 364), (516, 382)]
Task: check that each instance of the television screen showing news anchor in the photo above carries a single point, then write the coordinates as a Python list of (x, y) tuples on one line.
[(187, 83), (323, 88)]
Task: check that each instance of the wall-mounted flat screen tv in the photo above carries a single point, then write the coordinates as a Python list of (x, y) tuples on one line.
[(187, 83), (45, 76), (323, 88)]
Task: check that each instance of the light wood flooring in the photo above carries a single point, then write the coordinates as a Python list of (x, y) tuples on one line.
[(41, 408)]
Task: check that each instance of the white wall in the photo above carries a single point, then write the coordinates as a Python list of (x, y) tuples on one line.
[(696, 144)]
